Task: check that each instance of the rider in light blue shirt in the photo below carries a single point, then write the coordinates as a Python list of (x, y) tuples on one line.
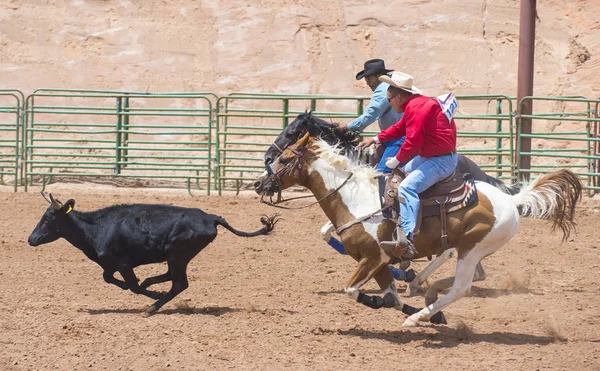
[(378, 109)]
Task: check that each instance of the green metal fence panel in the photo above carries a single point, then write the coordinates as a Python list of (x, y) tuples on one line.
[(11, 103), (249, 122), (486, 133), (564, 135), (166, 137)]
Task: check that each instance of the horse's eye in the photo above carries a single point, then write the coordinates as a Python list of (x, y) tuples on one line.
[(284, 161)]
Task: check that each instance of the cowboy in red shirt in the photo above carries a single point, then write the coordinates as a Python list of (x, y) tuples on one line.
[(430, 146)]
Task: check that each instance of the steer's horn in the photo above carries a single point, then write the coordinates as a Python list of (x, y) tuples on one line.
[(57, 205), (45, 197)]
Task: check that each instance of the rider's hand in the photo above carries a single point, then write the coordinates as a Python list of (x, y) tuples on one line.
[(342, 127), (365, 143), (392, 162)]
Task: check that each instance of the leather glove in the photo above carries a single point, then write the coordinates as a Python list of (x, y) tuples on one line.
[(392, 162)]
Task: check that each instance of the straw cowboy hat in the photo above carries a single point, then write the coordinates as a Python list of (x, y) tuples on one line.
[(373, 67), (402, 81)]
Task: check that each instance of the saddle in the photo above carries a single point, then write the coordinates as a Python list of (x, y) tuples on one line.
[(455, 192)]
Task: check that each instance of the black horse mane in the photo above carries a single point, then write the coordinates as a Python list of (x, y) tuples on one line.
[(329, 132)]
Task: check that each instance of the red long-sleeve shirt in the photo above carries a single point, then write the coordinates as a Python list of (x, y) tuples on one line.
[(428, 132)]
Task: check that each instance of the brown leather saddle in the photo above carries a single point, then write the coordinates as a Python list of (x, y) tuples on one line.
[(450, 194)]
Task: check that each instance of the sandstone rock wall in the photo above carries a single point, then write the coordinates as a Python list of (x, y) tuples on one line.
[(467, 46)]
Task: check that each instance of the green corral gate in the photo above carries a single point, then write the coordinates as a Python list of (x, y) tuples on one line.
[(204, 142)]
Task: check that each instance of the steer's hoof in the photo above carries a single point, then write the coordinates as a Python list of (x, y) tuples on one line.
[(438, 319), (150, 311)]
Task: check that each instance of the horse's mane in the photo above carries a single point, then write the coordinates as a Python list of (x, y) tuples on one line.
[(332, 155), (329, 132)]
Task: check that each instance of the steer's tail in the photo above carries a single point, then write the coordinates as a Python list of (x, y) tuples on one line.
[(268, 222), (552, 197)]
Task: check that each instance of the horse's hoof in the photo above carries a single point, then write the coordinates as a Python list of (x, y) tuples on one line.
[(352, 293), (410, 322), (438, 319)]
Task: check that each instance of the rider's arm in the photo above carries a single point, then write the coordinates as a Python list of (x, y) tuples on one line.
[(377, 105), (398, 130), (415, 136)]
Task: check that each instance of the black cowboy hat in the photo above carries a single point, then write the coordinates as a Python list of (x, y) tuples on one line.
[(372, 67)]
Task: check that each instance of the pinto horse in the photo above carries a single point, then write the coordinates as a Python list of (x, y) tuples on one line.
[(347, 192), (347, 140)]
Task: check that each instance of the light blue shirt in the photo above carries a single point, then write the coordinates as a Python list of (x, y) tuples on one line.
[(378, 109)]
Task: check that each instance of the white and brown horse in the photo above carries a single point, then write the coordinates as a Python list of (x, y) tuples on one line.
[(347, 192)]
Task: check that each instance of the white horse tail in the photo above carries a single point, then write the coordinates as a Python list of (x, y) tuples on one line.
[(552, 197)]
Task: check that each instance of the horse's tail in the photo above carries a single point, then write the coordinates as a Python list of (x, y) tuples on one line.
[(506, 188), (552, 197)]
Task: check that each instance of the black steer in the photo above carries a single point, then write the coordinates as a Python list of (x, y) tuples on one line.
[(120, 238)]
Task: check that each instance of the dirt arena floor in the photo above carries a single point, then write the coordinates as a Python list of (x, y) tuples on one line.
[(275, 302)]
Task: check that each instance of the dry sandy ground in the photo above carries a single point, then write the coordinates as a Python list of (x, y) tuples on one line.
[(275, 302)]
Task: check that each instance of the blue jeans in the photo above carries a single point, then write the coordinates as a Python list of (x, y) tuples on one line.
[(423, 173), (391, 149)]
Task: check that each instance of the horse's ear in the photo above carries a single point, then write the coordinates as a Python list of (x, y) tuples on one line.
[(302, 142), (309, 112)]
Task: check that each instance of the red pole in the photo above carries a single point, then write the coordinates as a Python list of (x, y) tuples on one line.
[(525, 78)]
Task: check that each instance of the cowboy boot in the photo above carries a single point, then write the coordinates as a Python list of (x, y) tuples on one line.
[(401, 246)]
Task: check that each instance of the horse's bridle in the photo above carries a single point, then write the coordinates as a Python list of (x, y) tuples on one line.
[(296, 165)]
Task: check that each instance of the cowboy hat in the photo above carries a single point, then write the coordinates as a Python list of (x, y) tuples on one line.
[(402, 81), (373, 67)]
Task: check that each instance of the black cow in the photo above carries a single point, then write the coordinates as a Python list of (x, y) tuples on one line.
[(120, 238)]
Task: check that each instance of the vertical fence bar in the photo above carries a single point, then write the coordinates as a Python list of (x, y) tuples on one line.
[(499, 146), (17, 125), (286, 111), (596, 152), (125, 125), (359, 107), (29, 151), (118, 137)]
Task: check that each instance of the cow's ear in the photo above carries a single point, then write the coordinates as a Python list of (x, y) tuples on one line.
[(68, 206)]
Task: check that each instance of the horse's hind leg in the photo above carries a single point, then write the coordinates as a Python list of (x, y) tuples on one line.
[(463, 279), (432, 267), (465, 268), (480, 273), (440, 285)]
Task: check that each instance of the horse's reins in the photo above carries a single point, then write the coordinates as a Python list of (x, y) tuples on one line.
[(275, 204), (276, 176)]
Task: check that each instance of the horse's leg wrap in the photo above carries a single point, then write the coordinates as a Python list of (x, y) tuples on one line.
[(408, 310), (437, 318), (337, 245), (375, 302)]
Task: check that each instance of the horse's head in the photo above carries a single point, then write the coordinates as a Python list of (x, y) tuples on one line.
[(287, 170), (316, 127)]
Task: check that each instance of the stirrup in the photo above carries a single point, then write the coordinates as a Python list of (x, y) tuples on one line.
[(401, 247)]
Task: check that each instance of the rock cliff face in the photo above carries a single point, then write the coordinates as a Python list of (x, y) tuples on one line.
[(467, 46)]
